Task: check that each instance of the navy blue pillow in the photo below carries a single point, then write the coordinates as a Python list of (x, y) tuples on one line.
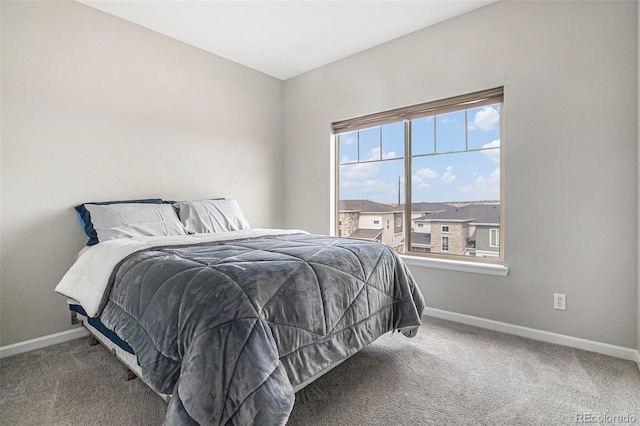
[(85, 217)]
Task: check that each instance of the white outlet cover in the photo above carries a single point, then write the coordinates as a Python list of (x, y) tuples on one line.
[(560, 301)]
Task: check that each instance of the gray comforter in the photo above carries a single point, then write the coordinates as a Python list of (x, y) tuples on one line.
[(229, 329)]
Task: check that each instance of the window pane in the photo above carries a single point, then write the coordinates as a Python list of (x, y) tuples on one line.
[(348, 146), (450, 132), (370, 144), (393, 140), (465, 176), (371, 198), (456, 202), (422, 134), (376, 181), (484, 126)]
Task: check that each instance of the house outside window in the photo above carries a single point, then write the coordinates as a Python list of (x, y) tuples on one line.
[(437, 165)]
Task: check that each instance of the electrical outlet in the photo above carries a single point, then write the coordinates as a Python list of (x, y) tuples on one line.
[(560, 301)]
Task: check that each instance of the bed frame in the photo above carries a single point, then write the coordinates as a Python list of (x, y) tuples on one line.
[(132, 369)]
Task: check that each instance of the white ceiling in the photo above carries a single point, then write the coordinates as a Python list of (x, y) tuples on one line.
[(285, 38)]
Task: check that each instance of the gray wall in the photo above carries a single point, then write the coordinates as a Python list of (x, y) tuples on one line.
[(96, 108), (570, 75)]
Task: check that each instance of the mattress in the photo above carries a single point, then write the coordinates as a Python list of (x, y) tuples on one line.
[(98, 326)]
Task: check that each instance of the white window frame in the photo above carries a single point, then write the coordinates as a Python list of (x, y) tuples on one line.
[(443, 230)]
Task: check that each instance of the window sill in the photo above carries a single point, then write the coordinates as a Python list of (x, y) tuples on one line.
[(457, 265)]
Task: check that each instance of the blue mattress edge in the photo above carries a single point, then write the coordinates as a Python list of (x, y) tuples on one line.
[(98, 325)]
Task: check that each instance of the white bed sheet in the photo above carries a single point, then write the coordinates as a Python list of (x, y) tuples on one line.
[(87, 279)]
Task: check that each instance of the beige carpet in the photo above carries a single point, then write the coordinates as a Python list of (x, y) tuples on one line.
[(450, 374)]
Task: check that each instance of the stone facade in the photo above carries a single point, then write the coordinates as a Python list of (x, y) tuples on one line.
[(458, 236), (349, 222)]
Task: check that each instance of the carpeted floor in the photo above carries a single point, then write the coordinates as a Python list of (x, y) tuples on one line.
[(450, 374)]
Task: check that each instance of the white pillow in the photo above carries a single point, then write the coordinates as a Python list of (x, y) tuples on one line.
[(204, 216), (134, 220)]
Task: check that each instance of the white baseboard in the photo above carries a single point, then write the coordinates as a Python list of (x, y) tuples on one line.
[(544, 336), (531, 333), (42, 342)]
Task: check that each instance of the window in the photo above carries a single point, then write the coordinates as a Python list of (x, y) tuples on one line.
[(376, 222), (437, 165), (445, 243), (494, 238)]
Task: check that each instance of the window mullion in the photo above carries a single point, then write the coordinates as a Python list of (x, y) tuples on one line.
[(466, 130), (435, 125), (407, 186)]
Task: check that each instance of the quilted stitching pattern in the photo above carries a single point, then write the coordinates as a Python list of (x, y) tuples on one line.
[(228, 328)]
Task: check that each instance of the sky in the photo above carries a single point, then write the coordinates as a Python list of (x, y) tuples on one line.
[(372, 160)]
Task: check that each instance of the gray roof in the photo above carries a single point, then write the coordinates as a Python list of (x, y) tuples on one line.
[(420, 238), (479, 213), (366, 234), (424, 207), (366, 206)]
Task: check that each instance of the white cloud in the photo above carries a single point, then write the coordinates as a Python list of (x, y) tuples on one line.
[(361, 184), (447, 176), (347, 140), (377, 190), (422, 174), (493, 178), (374, 154), (359, 171), (427, 173), (493, 144), (485, 119), (492, 154), (485, 186)]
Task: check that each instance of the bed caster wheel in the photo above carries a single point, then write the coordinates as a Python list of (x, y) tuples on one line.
[(93, 341), (128, 375)]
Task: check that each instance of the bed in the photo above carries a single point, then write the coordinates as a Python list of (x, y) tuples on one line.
[(227, 320)]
